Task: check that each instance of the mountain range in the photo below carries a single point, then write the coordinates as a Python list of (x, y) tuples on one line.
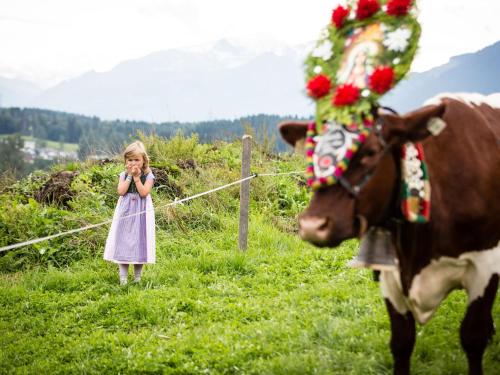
[(227, 81), (472, 72)]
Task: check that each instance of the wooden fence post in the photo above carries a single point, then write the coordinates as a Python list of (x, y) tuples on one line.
[(246, 142)]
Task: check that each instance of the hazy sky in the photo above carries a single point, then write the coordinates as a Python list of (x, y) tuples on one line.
[(49, 40)]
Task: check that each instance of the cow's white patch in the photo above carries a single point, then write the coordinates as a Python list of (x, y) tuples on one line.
[(492, 100), (471, 271)]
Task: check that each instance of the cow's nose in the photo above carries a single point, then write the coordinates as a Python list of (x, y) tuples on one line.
[(314, 229)]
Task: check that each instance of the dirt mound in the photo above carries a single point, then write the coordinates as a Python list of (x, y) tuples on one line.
[(165, 184), (57, 190), (186, 164), (105, 161)]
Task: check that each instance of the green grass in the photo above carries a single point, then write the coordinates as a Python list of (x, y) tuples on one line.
[(283, 307), (69, 147)]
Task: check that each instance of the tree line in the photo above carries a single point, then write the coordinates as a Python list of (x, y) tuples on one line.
[(96, 136)]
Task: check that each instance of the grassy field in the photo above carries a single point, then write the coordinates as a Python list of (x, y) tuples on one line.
[(50, 144), (282, 307)]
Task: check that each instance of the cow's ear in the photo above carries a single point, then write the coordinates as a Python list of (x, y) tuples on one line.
[(414, 126), (293, 131)]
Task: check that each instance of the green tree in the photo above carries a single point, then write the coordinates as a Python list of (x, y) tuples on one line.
[(11, 155)]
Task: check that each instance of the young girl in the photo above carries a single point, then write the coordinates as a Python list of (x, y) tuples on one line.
[(131, 238)]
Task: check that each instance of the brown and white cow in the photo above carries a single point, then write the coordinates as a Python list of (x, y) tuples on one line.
[(458, 248)]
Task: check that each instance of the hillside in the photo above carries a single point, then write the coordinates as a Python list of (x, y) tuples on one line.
[(282, 307), (14, 92)]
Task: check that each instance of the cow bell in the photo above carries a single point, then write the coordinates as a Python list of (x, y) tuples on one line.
[(376, 251)]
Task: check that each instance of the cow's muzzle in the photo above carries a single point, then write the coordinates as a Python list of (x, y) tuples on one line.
[(315, 229)]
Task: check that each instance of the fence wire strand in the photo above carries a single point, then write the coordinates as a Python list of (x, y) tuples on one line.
[(179, 201)]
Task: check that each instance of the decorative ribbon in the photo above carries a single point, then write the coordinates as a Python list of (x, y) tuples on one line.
[(416, 189)]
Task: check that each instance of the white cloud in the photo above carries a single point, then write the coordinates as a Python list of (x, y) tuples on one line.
[(50, 40)]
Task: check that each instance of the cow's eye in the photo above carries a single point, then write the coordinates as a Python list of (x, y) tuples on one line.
[(370, 153), (368, 157)]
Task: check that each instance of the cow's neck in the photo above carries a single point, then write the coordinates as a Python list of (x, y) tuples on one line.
[(464, 216)]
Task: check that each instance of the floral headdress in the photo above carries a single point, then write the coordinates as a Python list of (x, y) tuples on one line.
[(365, 50)]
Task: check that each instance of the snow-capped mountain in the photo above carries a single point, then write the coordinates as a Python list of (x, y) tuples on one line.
[(198, 83), (226, 81)]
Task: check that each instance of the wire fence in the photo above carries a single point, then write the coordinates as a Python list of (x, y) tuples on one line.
[(179, 201)]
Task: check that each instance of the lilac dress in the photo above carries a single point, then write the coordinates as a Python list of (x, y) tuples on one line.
[(131, 240)]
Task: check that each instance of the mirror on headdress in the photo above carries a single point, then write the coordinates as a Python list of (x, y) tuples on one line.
[(331, 147)]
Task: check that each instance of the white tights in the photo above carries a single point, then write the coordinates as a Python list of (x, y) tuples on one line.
[(124, 272)]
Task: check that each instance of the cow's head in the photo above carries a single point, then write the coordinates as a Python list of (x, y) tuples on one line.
[(367, 193)]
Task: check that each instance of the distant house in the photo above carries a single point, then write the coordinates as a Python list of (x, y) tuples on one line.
[(31, 152)]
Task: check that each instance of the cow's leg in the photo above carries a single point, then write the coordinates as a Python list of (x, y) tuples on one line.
[(402, 339), (477, 327)]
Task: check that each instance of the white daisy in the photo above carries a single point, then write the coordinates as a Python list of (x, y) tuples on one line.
[(324, 33), (397, 40), (317, 69), (323, 50)]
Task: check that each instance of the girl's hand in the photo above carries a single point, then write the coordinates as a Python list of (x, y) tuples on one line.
[(136, 172)]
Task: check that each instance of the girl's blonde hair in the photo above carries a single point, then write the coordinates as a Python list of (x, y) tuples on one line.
[(137, 149)]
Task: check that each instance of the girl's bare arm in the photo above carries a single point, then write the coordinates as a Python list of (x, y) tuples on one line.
[(123, 186), (143, 189)]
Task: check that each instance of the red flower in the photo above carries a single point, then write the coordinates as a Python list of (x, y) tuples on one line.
[(398, 7), (381, 79), (345, 95), (366, 8), (319, 86), (339, 15)]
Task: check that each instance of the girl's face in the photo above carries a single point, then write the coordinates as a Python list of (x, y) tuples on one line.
[(135, 161)]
